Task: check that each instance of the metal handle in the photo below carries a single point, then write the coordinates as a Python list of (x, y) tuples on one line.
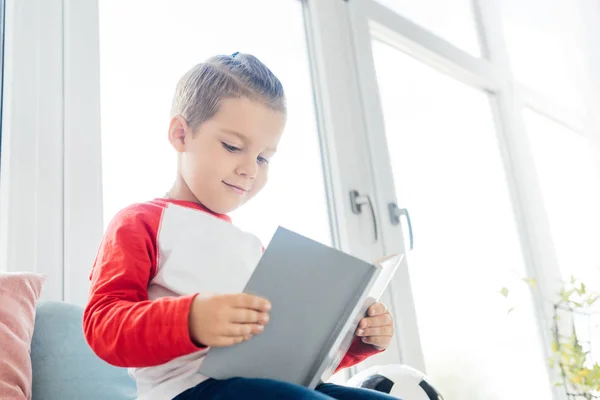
[(395, 214), (357, 201)]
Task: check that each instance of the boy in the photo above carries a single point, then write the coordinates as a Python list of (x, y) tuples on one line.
[(144, 310)]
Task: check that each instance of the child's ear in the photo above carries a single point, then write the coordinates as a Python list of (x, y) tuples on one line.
[(178, 130)]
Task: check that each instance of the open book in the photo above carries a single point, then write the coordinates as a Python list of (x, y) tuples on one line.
[(319, 295)]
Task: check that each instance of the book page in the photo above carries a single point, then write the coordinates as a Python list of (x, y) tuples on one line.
[(388, 267)]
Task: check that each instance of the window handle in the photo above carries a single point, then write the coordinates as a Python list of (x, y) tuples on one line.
[(395, 214), (357, 201)]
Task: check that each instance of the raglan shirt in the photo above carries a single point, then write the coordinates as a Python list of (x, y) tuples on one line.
[(141, 293)]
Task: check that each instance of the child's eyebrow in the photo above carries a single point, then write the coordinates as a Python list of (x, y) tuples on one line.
[(242, 137), (245, 138)]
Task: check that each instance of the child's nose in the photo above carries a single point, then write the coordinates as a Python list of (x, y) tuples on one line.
[(248, 168)]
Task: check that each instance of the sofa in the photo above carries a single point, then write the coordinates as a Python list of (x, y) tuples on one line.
[(63, 365)]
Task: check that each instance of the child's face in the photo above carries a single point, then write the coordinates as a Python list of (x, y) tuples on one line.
[(226, 161)]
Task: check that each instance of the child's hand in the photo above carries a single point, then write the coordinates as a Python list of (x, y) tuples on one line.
[(378, 328), (226, 320)]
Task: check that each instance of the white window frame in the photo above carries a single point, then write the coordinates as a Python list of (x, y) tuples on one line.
[(83, 222)]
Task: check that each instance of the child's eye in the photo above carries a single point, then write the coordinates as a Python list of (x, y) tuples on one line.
[(230, 148), (262, 160)]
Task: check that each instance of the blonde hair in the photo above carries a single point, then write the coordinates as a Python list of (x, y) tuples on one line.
[(200, 90)]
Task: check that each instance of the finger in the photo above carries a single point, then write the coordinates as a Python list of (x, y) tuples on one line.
[(245, 316), (379, 320), (377, 309), (242, 330), (379, 331), (226, 341), (379, 341), (244, 300)]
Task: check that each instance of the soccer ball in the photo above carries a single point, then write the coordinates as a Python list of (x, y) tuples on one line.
[(399, 381)]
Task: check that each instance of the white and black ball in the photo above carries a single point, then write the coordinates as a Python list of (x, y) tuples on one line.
[(397, 380)]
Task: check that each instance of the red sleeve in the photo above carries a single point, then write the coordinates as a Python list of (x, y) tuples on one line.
[(120, 324), (358, 351)]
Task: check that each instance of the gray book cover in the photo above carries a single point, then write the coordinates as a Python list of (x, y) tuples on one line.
[(317, 295)]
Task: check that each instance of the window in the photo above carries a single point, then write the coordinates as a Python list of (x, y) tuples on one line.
[(448, 172), (139, 70)]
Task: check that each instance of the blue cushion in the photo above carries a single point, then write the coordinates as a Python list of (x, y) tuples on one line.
[(64, 366)]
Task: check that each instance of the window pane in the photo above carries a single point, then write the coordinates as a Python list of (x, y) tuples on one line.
[(451, 20), (448, 172), (140, 68), (544, 49), (571, 189)]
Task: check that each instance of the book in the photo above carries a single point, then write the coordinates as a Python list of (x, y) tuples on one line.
[(318, 295)]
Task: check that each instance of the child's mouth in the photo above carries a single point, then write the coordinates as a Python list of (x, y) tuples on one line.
[(236, 189)]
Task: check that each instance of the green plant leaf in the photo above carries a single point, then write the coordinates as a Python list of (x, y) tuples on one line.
[(532, 282), (566, 295), (581, 374)]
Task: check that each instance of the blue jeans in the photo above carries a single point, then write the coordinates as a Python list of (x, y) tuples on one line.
[(265, 389)]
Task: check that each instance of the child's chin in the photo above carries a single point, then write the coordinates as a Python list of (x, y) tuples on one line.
[(227, 206)]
